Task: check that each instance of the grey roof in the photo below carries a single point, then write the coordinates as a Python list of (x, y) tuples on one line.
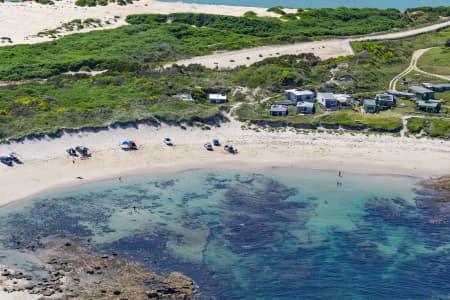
[(299, 92), (278, 108), (369, 102), (325, 96), (283, 102), (305, 104), (419, 89), (385, 97), (428, 104)]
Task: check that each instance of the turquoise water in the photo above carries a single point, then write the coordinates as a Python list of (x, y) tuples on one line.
[(399, 4), (271, 234)]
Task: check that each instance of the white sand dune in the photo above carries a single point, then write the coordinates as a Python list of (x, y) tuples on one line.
[(22, 21)]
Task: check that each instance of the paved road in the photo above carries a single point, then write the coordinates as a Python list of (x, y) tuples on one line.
[(324, 49)]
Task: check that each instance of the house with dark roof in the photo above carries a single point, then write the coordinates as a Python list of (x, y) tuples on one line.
[(439, 88), (430, 106), (421, 92), (370, 106), (385, 101)]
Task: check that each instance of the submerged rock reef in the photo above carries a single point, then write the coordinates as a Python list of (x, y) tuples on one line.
[(75, 272)]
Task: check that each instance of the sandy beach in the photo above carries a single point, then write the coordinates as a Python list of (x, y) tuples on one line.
[(47, 166)]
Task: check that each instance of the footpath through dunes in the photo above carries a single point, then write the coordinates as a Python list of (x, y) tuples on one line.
[(324, 49)]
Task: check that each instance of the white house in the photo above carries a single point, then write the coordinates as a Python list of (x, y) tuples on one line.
[(305, 108), (217, 98), (184, 97), (344, 100), (328, 101), (299, 95)]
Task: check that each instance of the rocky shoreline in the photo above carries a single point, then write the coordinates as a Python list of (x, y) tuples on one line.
[(75, 272)]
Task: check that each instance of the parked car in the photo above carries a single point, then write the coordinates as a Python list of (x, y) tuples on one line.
[(84, 152), (15, 158), (6, 160), (229, 148), (216, 142), (168, 142), (208, 146), (72, 152)]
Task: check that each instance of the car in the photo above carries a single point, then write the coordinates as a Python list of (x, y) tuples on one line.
[(6, 160), (208, 146), (229, 148), (15, 158), (216, 142), (168, 142), (72, 152)]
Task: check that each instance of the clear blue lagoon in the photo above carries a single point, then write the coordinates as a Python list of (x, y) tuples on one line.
[(269, 234), (399, 4)]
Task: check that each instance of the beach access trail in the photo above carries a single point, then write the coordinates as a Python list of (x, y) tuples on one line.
[(47, 165)]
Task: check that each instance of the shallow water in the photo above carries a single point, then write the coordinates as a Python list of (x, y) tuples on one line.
[(271, 234), (399, 4)]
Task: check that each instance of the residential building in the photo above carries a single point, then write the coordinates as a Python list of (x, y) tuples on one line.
[(370, 106), (385, 101), (306, 108), (299, 95), (421, 92), (184, 97), (278, 110), (401, 94), (217, 98), (431, 106), (328, 101), (439, 88), (344, 100)]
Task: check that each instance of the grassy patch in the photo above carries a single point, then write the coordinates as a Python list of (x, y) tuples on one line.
[(432, 127), (436, 61)]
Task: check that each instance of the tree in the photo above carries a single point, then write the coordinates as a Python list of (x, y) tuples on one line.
[(447, 44)]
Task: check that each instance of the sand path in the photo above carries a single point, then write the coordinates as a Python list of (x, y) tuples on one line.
[(324, 49)]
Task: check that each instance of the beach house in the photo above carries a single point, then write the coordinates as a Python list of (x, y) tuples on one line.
[(385, 101), (306, 108), (344, 100), (278, 110), (370, 106), (430, 106), (421, 92), (217, 98), (296, 95), (328, 101), (439, 88), (184, 97)]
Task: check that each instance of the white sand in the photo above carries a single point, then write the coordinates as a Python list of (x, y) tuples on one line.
[(21, 21), (47, 166)]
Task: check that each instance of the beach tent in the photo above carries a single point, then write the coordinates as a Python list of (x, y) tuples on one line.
[(127, 144)]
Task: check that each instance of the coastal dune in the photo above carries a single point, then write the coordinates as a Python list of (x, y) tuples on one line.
[(22, 21), (47, 166)]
